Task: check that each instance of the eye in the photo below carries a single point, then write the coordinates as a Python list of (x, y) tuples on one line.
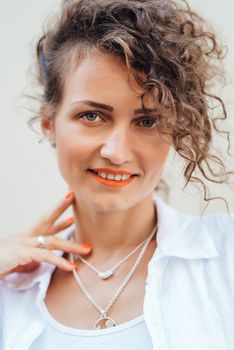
[(90, 116), (148, 123)]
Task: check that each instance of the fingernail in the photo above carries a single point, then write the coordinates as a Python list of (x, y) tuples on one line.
[(68, 195), (70, 219), (72, 264), (86, 246)]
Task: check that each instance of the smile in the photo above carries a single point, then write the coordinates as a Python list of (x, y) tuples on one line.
[(117, 179)]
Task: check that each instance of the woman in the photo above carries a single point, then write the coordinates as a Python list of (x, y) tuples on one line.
[(124, 81)]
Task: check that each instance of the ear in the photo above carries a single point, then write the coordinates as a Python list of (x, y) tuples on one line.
[(47, 125)]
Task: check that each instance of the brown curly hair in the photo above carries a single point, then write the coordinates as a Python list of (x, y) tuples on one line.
[(171, 55)]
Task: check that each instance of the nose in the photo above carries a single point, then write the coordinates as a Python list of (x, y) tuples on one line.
[(117, 147)]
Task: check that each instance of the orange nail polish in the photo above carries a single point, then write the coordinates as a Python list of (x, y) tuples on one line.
[(72, 264), (69, 195), (86, 246), (70, 219)]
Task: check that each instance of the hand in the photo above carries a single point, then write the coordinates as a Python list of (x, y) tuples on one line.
[(21, 252)]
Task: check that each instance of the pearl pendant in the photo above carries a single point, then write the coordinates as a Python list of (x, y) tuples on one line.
[(105, 275)]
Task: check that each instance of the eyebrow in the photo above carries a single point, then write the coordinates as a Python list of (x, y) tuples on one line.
[(111, 109)]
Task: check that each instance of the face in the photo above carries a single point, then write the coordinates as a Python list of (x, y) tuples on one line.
[(109, 151)]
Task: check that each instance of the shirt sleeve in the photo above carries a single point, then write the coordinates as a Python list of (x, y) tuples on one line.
[(221, 269), (221, 227), (225, 224), (1, 314)]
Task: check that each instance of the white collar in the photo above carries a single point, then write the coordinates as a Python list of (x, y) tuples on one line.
[(182, 235), (179, 235)]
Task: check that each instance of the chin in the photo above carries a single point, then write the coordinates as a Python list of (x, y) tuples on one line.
[(111, 206), (105, 204)]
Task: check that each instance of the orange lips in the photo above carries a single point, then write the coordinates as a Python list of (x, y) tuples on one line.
[(113, 183)]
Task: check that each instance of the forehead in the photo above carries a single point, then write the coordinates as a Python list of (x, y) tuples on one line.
[(102, 78)]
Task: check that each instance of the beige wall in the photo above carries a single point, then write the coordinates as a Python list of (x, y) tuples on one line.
[(29, 182)]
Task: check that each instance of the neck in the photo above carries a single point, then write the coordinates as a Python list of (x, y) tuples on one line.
[(117, 231)]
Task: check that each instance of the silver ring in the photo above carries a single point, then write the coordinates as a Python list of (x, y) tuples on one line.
[(41, 242)]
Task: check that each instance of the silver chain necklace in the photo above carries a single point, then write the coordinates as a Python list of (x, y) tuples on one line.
[(104, 321), (107, 274)]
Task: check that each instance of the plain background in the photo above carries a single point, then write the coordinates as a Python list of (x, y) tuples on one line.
[(30, 183)]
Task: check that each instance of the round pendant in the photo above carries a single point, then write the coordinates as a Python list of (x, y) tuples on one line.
[(104, 322), (105, 275)]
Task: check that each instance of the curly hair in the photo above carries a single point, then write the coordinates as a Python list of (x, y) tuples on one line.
[(172, 56)]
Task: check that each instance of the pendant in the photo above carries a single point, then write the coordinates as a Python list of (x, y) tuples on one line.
[(105, 275), (104, 322)]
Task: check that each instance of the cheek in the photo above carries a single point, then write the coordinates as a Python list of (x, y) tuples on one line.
[(155, 161), (69, 154), (74, 154)]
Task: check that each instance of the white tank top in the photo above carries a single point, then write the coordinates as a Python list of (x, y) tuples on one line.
[(129, 335)]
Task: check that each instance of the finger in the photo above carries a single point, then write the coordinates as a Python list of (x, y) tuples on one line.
[(56, 243), (45, 225), (40, 255), (60, 208), (60, 226), (27, 268)]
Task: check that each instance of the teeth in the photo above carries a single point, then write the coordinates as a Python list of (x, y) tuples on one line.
[(110, 176), (104, 175), (118, 177), (114, 177)]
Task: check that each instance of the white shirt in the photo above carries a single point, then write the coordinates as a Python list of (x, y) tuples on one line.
[(189, 290), (129, 335)]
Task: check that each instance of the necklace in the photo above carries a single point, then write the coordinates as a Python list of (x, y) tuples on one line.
[(104, 321), (107, 274)]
